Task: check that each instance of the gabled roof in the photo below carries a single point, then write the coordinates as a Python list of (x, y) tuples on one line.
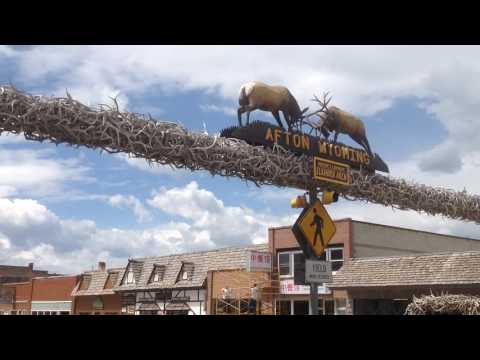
[(137, 267), (425, 269), (97, 283), (221, 259)]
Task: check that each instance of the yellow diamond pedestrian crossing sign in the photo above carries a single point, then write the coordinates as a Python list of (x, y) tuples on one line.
[(314, 229)]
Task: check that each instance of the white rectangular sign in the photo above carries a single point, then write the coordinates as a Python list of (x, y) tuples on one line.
[(259, 261), (318, 271), (287, 287)]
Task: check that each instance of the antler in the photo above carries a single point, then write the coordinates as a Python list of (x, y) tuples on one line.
[(323, 103)]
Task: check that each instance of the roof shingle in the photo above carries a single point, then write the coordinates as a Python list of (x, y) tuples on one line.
[(423, 269), (97, 283), (199, 264)]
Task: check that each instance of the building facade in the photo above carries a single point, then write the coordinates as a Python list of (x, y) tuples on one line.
[(53, 295), (21, 296), (94, 295), (352, 240), (12, 294), (177, 284), (15, 274), (386, 285), (294, 299)]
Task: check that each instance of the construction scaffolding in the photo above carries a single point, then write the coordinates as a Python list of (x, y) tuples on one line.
[(240, 283)]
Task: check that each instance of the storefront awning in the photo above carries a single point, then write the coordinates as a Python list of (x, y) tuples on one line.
[(176, 306), (148, 307)]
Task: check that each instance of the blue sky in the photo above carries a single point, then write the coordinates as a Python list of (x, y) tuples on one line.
[(66, 208)]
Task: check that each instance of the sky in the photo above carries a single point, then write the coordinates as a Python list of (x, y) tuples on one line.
[(66, 209)]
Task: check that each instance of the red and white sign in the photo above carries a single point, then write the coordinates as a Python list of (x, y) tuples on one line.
[(287, 287), (259, 261)]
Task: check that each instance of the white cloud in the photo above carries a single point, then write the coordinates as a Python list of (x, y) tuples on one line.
[(142, 214), (28, 172), (227, 225), (30, 232), (363, 79)]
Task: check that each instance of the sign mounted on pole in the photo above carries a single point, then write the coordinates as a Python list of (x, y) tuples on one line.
[(314, 229), (331, 171), (318, 271)]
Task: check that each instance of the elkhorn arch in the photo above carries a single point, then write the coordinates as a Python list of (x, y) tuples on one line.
[(63, 120)]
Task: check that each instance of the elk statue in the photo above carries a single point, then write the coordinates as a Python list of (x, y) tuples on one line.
[(336, 120), (257, 95)]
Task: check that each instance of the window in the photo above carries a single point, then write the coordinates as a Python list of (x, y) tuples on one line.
[(186, 271), (284, 264), (284, 307), (158, 273), (300, 307), (298, 261), (288, 260), (86, 279), (111, 280), (335, 256), (340, 306), (130, 277), (329, 307)]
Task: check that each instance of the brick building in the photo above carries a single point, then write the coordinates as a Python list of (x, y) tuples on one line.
[(179, 284), (353, 240), (13, 274), (10, 296), (21, 295), (53, 295), (94, 293)]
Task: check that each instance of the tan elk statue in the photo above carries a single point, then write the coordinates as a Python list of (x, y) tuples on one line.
[(257, 95), (336, 120)]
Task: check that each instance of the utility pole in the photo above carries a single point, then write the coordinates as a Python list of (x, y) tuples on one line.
[(313, 286)]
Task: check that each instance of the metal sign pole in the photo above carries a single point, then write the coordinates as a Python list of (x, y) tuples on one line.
[(313, 286)]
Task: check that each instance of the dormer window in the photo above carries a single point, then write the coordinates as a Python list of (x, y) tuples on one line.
[(157, 273), (186, 272), (111, 280), (130, 276), (86, 279)]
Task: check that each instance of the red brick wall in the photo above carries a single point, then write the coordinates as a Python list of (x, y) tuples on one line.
[(22, 293), (57, 288), (111, 304)]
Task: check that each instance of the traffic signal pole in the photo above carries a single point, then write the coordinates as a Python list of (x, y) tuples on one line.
[(313, 287)]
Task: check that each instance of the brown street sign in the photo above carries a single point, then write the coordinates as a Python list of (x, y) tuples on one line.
[(314, 229), (331, 171)]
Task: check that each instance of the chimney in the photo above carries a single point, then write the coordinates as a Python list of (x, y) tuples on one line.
[(30, 266), (102, 266)]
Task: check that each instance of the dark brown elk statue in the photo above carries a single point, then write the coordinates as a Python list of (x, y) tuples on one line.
[(257, 95), (336, 120)]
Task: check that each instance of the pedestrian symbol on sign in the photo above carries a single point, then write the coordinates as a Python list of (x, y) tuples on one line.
[(314, 229), (318, 222)]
